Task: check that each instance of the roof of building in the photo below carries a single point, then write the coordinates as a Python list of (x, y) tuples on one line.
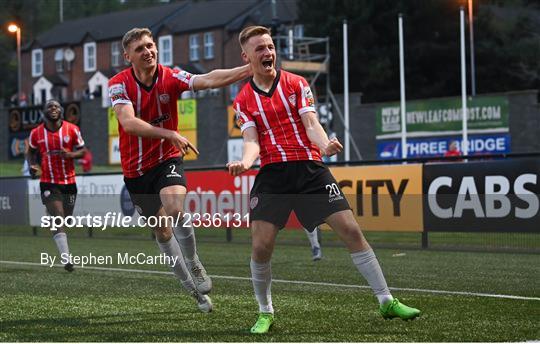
[(178, 17)]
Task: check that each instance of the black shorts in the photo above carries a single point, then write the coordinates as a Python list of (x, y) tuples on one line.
[(67, 193), (307, 187), (144, 190)]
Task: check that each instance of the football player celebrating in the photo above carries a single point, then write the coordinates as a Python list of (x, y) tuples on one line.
[(277, 117), (151, 149), (58, 143)]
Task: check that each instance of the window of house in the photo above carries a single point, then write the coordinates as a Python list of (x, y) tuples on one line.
[(116, 54), (165, 50), (208, 45), (90, 57), (37, 62), (194, 47), (59, 60)]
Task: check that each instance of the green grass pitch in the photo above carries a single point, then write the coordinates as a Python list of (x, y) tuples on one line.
[(48, 304)]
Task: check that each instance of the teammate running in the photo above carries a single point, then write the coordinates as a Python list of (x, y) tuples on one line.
[(58, 143), (276, 114), (151, 149)]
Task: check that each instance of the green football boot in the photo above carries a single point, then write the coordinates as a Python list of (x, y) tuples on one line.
[(263, 324), (396, 309)]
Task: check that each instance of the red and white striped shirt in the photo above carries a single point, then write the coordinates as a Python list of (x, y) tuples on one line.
[(156, 105), (277, 116), (54, 168)]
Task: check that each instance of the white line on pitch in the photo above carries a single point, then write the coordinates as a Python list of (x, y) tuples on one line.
[(325, 284)]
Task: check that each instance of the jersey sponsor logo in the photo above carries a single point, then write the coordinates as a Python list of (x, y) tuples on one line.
[(160, 119), (292, 99), (164, 98)]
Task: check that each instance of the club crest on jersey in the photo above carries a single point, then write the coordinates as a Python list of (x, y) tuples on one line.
[(66, 139), (164, 98), (292, 99)]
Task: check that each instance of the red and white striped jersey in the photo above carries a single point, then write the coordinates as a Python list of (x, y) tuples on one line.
[(277, 116), (54, 168), (156, 105)]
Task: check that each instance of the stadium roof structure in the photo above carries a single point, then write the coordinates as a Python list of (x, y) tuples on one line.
[(178, 17)]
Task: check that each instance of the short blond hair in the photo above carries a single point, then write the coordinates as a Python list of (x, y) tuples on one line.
[(252, 31), (135, 34)]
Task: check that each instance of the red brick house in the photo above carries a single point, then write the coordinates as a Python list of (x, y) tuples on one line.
[(76, 58)]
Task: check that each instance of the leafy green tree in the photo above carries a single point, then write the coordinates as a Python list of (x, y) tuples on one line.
[(506, 45)]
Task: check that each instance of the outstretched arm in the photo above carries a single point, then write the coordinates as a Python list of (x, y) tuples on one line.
[(249, 155), (135, 126), (317, 135), (221, 77)]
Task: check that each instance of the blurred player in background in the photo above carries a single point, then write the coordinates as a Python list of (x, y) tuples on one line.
[(58, 143), (453, 150), (276, 113), (151, 149)]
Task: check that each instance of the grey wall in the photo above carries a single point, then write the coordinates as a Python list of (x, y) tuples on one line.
[(212, 133), (524, 121), (212, 127), (95, 130)]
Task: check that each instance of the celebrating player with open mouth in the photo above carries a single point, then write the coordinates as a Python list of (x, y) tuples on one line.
[(276, 113), (151, 149), (58, 143)]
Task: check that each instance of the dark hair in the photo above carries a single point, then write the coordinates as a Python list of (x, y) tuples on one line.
[(53, 100)]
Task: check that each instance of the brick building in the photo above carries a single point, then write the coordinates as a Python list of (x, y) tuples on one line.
[(75, 59)]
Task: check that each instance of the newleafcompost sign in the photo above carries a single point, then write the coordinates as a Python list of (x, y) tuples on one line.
[(443, 117)]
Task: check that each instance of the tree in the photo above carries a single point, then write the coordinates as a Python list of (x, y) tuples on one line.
[(506, 43)]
